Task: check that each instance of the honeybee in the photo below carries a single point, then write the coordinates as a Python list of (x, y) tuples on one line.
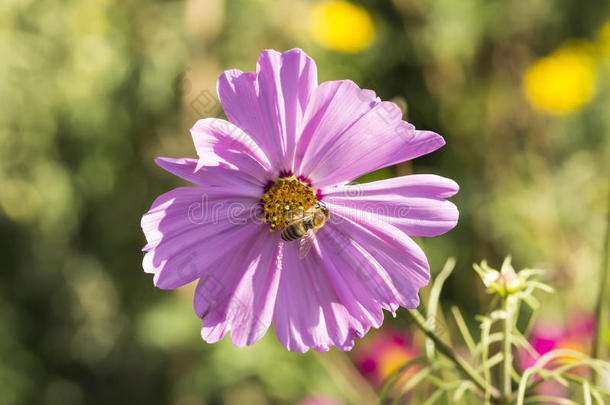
[(304, 225)]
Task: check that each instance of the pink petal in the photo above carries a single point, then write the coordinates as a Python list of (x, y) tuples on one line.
[(414, 204), (309, 312), (228, 159), (349, 133), (188, 229), (269, 105), (389, 266), (238, 294), (231, 182), (337, 292)]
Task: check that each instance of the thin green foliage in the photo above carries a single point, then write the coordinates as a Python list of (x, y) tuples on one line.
[(435, 294), (488, 374)]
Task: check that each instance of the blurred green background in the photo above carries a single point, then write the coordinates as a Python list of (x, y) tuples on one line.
[(92, 91)]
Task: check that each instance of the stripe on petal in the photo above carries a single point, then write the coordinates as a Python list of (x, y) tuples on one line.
[(314, 309), (238, 295), (220, 143), (189, 229), (233, 183), (414, 204), (385, 262), (349, 132), (269, 105)]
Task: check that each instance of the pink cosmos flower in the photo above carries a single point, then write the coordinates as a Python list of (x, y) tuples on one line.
[(291, 147), (380, 355), (548, 335)]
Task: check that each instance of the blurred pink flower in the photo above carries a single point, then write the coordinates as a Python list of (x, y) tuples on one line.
[(291, 145), (385, 352), (547, 335), (551, 335)]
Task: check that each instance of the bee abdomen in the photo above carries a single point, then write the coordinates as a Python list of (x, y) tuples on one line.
[(293, 232)]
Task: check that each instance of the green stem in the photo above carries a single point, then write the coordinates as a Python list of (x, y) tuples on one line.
[(444, 349), (508, 358), (601, 307)]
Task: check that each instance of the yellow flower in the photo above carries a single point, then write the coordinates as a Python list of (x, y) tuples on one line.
[(341, 26), (563, 81)]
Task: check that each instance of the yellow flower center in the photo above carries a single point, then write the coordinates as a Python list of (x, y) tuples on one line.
[(285, 200)]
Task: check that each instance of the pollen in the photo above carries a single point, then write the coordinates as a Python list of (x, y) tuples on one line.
[(286, 200)]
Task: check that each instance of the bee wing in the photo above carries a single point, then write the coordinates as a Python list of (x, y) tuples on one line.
[(306, 242), (295, 215)]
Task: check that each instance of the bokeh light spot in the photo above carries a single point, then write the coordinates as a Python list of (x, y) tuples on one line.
[(563, 81), (342, 26)]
